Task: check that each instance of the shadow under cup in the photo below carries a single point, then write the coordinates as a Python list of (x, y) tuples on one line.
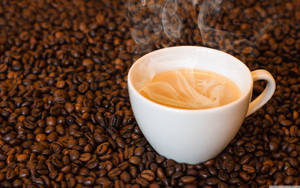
[(184, 135)]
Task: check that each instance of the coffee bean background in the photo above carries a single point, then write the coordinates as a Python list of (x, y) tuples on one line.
[(65, 116)]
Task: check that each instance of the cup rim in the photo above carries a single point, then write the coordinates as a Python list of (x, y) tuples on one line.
[(150, 102)]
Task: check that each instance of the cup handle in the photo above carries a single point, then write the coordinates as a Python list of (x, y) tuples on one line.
[(266, 94)]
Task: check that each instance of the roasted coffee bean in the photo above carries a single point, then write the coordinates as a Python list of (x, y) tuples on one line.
[(114, 172), (60, 84), (285, 122), (212, 181), (105, 182), (89, 181), (66, 169), (69, 107), (3, 68), (148, 175), (91, 164), (245, 159), (21, 157), (204, 174), (154, 185), (273, 146), (133, 171), (139, 151), (245, 176), (41, 137), (119, 184), (141, 181), (17, 183), (222, 185), (234, 181), (223, 175), (10, 174), (51, 121), (212, 170), (160, 173), (85, 157), (170, 171), (23, 173), (16, 65), (248, 169), (102, 148), (188, 179), (124, 165), (6, 184), (134, 160), (125, 176), (288, 180), (159, 159)]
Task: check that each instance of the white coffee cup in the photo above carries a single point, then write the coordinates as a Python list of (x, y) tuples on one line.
[(193, 136)]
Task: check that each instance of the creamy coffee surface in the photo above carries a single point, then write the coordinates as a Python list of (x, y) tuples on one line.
[(190, 89)]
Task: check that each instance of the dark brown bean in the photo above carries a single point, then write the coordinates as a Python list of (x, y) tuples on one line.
[(141, 181), (148, 175), (245, 176), (119, 184), (223, 175), (51, 121), (74, 155), (154, 185), (125, 176), (102, 148), (23, 173), (105, 182), (134, 160), (139, 151), (288, 180), (85, 157), (41, 137), (204, 174), (286, 122), (160, 173), (188, 179), (21, 157), (248, 169), (114, 172), (100, 18), (69, 107), (273, 146), (17, 183), (3, 68), (89, 181), (212, 181), (222, 185)]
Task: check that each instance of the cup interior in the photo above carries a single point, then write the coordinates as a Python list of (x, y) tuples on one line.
[(201, 58)]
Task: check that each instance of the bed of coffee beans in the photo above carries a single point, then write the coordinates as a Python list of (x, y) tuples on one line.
[(65, 116)]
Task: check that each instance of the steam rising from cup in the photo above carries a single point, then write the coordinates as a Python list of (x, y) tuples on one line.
[(171, 22), (213, 35), (153, 21)]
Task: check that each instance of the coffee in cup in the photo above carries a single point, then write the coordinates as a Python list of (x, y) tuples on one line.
[(190, 89)]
